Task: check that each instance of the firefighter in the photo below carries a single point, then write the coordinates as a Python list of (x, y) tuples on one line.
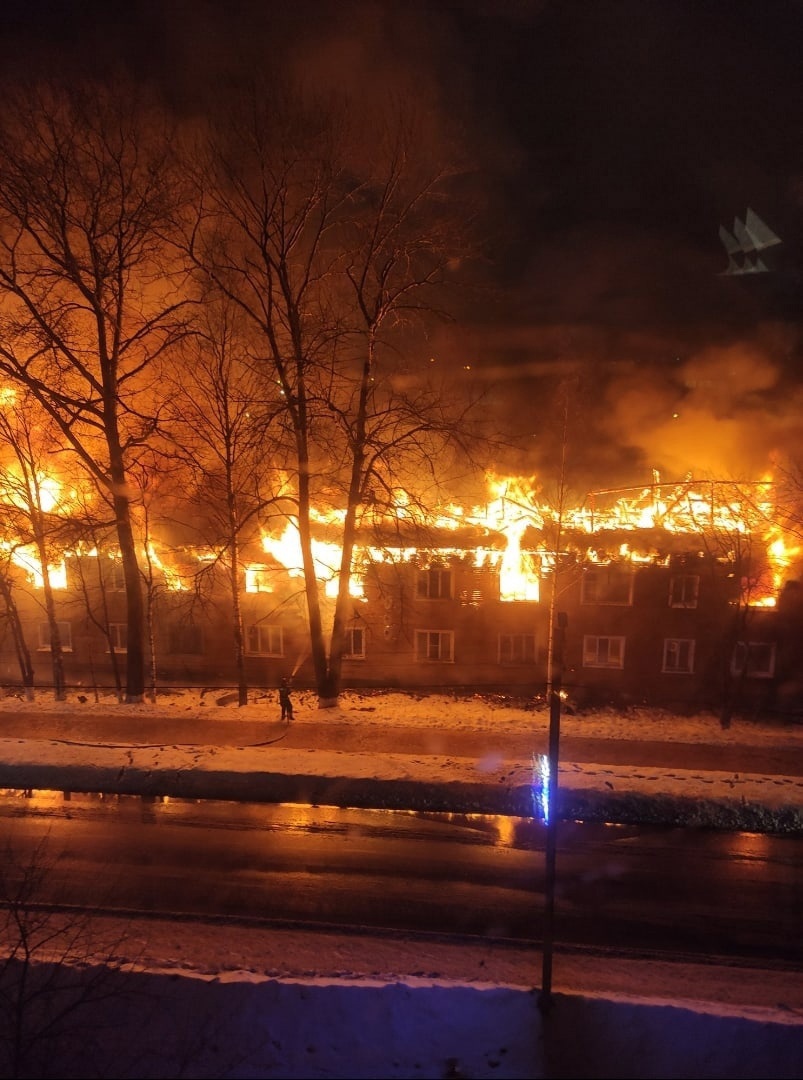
[(284, 699)]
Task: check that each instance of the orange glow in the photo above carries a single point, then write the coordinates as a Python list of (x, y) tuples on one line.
[(286, 549), (47, 495), (724, 513), (508, 533), (174, 579), (28, 560), (781, 554)]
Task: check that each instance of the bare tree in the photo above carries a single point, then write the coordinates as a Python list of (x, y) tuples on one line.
[(155, 474), (93, 575), (88, 298), (785, 522), (329, 259), (731, 522), (32, 505), (398, 427), (12, 619), (221, 415)]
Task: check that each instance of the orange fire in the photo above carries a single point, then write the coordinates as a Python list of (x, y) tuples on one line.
[(520, 527), (725, 514)]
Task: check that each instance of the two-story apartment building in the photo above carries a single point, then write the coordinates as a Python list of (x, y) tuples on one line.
[(669, 628)]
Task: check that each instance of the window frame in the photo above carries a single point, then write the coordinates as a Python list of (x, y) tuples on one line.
[(65, 635), (423, 656), (264, 629), (349, 652), (682, 580), (597, 639), (425, 576), (602, 595), (115, 629), (115, 579), (681, 646), (255, 580), (516, 657), (752, 649)]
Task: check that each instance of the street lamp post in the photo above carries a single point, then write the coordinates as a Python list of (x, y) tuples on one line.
[(556, 682)]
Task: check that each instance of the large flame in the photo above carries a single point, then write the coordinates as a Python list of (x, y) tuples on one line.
[(725, 514), (286, 549), (511, 532)]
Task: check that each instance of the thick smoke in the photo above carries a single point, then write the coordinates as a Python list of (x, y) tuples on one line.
[(608, 143)]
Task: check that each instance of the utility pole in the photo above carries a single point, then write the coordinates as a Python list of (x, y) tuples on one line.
[(556, 683)]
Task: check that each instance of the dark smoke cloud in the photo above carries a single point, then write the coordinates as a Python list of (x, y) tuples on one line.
[(609, 140)]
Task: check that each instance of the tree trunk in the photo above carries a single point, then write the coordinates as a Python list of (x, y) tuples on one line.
[(20, 646), (135, 657), (237, 621)]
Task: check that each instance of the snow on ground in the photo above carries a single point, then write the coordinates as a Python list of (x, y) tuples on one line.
[(194, 731), (274, 1002), (468, 712)]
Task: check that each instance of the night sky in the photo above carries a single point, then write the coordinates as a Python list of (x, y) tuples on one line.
[(612, 139)]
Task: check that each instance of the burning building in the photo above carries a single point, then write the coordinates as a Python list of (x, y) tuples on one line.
[(680, 595)]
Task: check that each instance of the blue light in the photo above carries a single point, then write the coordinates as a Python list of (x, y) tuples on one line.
[(541, 780)]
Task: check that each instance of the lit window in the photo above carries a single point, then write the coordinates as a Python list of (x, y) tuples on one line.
[(65, 637), (265, 639), (517, 648), (434, 645), (684, 590), (434, 583), (678, 656), (607, 585), (606, 652), (755, 659), (118, 636), (257, 579), (354, 644)]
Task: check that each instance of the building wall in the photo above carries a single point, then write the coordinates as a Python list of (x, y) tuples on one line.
[(661, 632)]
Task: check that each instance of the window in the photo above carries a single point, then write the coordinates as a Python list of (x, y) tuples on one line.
[(603, 651), (65, 636), (118, 636), (184, 638), (517, 648), (683, 590), (678, 656), (265, 639), (257, 579), (755, 659), (114, 576), (354, 645), (483, 585), (434, 645), (607, 585), (434, 583)]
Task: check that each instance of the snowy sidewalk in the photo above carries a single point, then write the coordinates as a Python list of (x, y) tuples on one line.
[(275, 773)]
